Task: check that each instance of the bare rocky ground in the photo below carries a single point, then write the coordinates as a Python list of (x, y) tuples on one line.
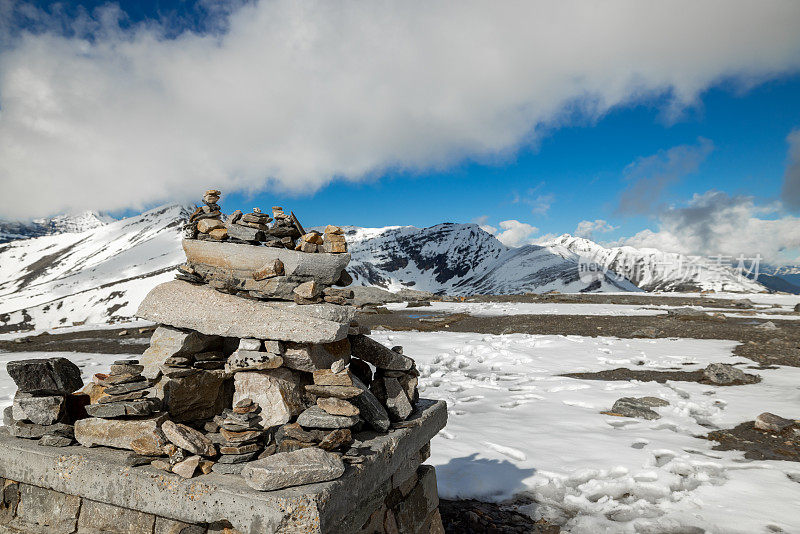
[(765, 347)]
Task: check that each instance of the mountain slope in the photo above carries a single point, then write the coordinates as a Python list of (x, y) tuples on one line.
[(462, 259), (99, 275), (653, 270), (12, 231)]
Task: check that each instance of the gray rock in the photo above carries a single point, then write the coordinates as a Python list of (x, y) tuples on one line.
[(378, 355), (182, 304), (228, 469), (638, 407), (249, 344), (134, 395), (18, 429), (397, 403), (372, 411), (316, 417), (237, 458), (772, 423), (8, 415), (797, 307), (106, 410), (313, 357), (767, 325), (117, 433), (128, 387), (200, 395), (372, 296), (57, 376), (277, 391), (168, 342), (251, 360), (238, 231), (188, 438), (44, 410), (281, 470), (54, 440), (723, 374), (324, 268)]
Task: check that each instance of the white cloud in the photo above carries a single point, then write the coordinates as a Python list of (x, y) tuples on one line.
[(515, 233), (587, 229), (715, 223), (295, 94), (481, 222)]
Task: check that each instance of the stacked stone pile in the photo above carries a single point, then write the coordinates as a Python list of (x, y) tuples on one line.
[(280, 268), (206, 221), (124, 393), (45, 406)]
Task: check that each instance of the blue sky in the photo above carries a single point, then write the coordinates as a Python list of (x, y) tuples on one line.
[(667, 125)]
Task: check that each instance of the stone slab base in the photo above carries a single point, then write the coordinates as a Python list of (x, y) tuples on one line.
[(91, 490)]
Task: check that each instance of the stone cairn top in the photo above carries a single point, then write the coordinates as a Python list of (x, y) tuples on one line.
[(257, 368)]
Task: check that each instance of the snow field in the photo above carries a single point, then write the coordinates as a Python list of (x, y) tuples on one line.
[(518, 430)]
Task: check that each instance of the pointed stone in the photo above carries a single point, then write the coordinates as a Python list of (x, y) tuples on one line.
[(188, 438), (378, 355)]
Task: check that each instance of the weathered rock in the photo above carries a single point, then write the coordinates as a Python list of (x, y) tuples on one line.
[(250, 360), (116, 433), (244, 436), (237, 458), (200, 395), (336, 406), (722, 373), (638, 407), (767, 325), (106, 410), (397, 402), (310, 358), (338, 438), (242, 232), (188, 438), (18, 429), (316, 417), (296, 432), (240, 449), (372, 411), (372, 296), (308, 290), (772, 423), (282, 470), (180, 303), (277, 391), (169, 342), (250, 344), (382, 357), (54, 440), (326, 377), (228, 469), (149, 444), (44, 410), (334, 247), (323, 268), (797, 307), (57, 376), (133, 395), (127, 387), (340, 392), (187, 467)]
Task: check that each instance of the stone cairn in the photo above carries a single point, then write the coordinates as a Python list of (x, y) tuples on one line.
[(257, 367)]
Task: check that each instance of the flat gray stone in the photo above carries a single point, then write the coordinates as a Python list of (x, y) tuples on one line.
[(316, 417), (638, 407), (378, 355), (228, 469), (57, 376), (188, 438), (117, 433), (324, 268), (102, 475), (373, 296), (285, 469), (168, 342), (19, 429), (238, 458), (251, 360), (181, 304), (44, 410), (54, 440)]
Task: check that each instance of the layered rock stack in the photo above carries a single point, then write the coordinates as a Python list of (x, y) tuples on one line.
[(124, 393), (257, 371), (44, 406)]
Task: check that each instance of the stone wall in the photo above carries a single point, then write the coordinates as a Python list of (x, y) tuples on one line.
[(411, 506)]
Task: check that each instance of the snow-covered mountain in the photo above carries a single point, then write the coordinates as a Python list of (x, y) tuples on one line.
[(654, 270), (463, 259), (98, 275), (101, 274), (14, 230)]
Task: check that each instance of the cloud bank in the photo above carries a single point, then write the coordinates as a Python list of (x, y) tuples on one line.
[(717, 223), (291, 95)]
